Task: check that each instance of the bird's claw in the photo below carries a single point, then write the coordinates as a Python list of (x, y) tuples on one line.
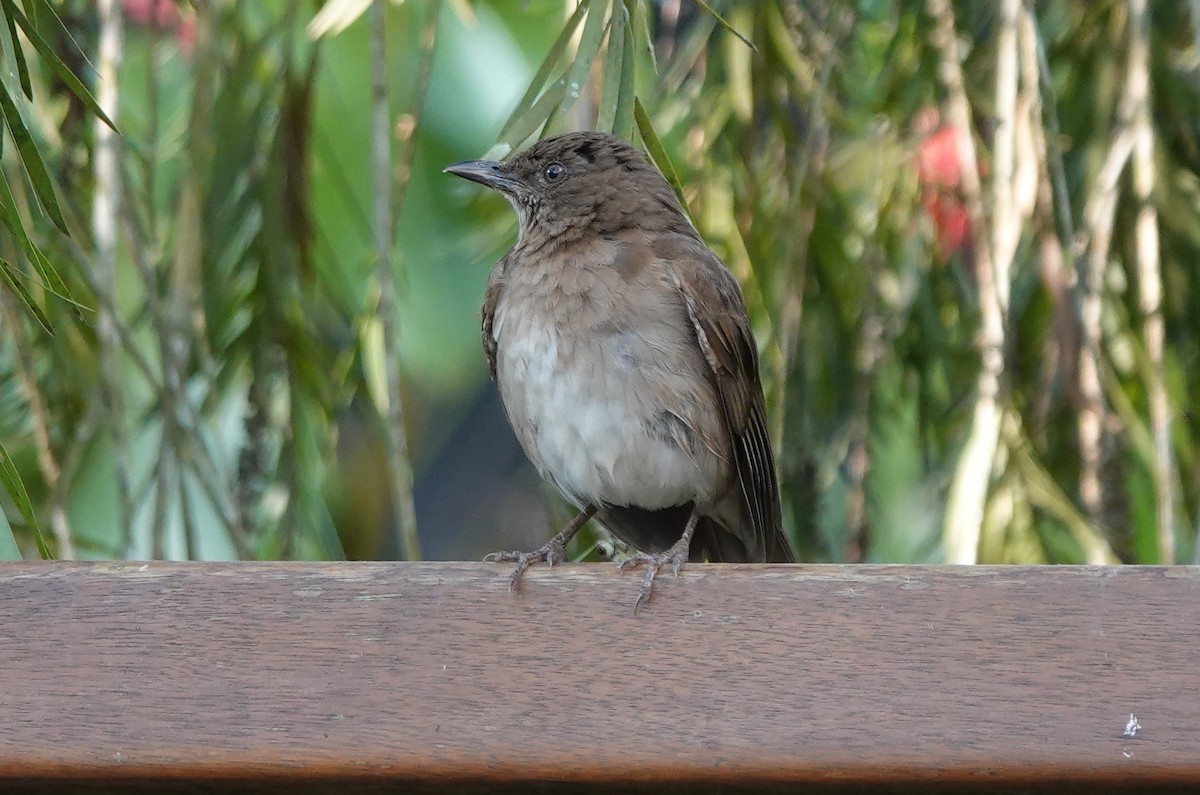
[(653, 563), (552, 552)]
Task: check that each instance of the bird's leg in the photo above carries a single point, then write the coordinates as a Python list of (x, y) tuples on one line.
[(553, 551), (676, 555)]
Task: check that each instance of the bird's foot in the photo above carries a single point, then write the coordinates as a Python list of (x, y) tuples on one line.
[(552, 552), (676, 556)]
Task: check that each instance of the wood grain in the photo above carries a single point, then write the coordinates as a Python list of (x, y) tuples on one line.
[(332, 676)]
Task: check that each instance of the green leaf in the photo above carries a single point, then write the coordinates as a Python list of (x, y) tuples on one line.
[(623, 121), (589, 45), (16, 490), (17, 53), (540, 77), (658, 152), (551, 121), (641, 28), (1044, 492), (11, 274), (687, 53), (309, 463), (785, 47), (725, 24), (31, 158), (610, 90), (738, 74), (8, 543), (47, 52), (540, 112), (10, 218)]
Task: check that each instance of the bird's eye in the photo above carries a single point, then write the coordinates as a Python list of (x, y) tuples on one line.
[(554, 172)]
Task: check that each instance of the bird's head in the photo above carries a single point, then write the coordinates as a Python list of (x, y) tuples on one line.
[(582, 181)]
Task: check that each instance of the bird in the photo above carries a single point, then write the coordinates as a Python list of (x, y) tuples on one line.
[(623, 354)]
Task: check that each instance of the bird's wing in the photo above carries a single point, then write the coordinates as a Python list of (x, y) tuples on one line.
[(491, 296), (718, 314)]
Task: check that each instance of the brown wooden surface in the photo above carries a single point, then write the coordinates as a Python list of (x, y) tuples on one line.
[(369, 674)]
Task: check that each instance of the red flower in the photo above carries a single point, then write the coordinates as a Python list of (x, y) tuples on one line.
[(164, 15), (939, 173)]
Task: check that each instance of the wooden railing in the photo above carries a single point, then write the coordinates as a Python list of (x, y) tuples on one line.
[(393, 677)]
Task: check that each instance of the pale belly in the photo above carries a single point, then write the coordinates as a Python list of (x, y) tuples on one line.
[(607, 419)]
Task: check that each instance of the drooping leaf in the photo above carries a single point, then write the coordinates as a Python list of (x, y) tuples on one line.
[(8, 543), (11, 275), (31, 159), (623, 118), (11, 479), (610, 92), (521, 112), (658, 152), (725, 24), (538, 113), (18, 54), (589, 45), (48, 274), (51, 57), (640, 17)]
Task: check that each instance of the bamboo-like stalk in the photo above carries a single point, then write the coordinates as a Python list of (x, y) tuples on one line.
[(794, 274), (71, 457), (106, 209), (858, 454), (1196, 43), (195, 449), (40, 419), (175, 315), (969, 489), (1059, 281), (1053, 223), (1006, 222), (191, 534), (183, 321), (1149, 279), (1098, 214), (392, 414), (867, 354), (191, 447)]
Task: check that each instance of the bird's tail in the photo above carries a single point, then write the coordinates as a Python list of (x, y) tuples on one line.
[(714, 542), (779, 549)]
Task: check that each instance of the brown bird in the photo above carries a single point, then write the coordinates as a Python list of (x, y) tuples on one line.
[(625, 362)]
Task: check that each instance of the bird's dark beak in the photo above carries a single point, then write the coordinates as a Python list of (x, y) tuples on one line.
[(486, 172)]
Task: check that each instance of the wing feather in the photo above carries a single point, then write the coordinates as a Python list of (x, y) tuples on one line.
[(491, 297), (718, 314)]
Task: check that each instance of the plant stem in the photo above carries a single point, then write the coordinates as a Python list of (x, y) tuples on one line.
[(106, 209), (1150, 277), (387, 211), (969, 489)]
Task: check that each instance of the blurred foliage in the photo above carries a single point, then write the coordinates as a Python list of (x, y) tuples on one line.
[(216, 384)]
